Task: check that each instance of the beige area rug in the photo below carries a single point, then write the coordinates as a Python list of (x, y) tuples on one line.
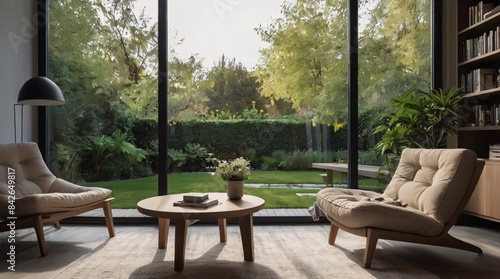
[(278, 254)]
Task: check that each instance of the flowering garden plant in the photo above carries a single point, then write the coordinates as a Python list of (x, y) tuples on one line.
[(235, 170)]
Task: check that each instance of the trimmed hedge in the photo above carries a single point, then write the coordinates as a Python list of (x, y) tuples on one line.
[(228, 139), (233, 138)]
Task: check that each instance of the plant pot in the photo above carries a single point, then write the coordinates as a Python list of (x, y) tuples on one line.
[(234, 190)]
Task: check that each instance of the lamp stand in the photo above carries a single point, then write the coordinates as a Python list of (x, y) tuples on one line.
[(22, 122)]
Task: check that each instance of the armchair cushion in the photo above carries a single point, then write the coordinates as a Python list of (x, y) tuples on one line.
[(347, 207), (59, 201)]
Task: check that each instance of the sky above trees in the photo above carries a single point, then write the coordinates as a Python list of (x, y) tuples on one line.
[(216, 27)]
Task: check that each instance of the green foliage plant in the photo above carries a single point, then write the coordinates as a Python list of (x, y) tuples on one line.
[(303, 159), (195, 151), (196, 156), (98, 150), (121, 146), (68, 162), (176, 157), (192, 157), (110, 151), (269, 163), (422, 120)]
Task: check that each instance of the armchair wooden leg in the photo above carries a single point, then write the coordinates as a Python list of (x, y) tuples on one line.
[(40, 235), (57, 224), (108, 215), (371, 245), (333, 234)]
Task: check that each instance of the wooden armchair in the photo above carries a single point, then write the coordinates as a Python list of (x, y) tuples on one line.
[(31, 196), (421, 203)]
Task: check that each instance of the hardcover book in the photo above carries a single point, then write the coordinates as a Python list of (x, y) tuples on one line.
[(204, 204), (195, 197)]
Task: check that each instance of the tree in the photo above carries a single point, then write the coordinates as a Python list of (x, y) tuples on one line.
[(230, 87), (306, 62), (86, 73), (129, 43), (395, 48), (184, 92)]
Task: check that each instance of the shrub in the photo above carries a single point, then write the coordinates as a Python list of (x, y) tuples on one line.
[(302, 160)]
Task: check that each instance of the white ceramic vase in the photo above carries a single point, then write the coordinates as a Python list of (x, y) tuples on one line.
[(234, 190)]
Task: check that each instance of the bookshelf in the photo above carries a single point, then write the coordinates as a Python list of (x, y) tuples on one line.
[(478, 57)]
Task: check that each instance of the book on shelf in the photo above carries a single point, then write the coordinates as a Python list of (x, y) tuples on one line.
[(491, 12), (481, 11), (487, 42), (203, 204), (194, 197), (484, 115), (479, 80)]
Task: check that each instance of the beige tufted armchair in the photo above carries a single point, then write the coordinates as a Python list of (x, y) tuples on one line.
[(31, 196), (424, 199)]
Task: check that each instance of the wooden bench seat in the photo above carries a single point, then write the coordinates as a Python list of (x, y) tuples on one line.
[(331, 168)]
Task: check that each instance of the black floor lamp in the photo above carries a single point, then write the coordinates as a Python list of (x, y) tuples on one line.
[(37, 91)]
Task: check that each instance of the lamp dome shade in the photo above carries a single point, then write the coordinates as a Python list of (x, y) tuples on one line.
[(40, 91)]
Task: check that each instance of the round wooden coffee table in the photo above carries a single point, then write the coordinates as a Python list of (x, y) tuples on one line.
[(163, 208)]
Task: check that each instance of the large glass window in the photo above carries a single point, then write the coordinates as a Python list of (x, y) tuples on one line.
[(280, 103), (103, 55)]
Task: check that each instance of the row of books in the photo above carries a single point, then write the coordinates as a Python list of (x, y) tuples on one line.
[(479, 12), (199, 200), (479, 80), (484, 115), (488, 42)]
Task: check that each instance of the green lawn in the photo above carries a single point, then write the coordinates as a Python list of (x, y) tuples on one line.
[(129, 192)]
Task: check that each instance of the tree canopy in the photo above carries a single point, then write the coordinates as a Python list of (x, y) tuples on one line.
[(230, 87), (306, 62)]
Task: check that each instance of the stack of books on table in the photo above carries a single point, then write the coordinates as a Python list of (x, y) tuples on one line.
[(495, 152), (199, 200)]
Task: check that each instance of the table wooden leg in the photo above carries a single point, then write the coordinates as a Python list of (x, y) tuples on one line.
[(163, 226), (329, 177), (180, 244), (222, 229), (246, 230)]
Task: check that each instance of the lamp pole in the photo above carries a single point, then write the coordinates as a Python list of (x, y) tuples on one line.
[(43, 69)]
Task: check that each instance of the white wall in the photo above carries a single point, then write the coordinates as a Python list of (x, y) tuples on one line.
[(18, 63)]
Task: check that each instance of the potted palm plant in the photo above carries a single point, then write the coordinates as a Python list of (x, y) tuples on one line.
[(234, 172), (422, 119)]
